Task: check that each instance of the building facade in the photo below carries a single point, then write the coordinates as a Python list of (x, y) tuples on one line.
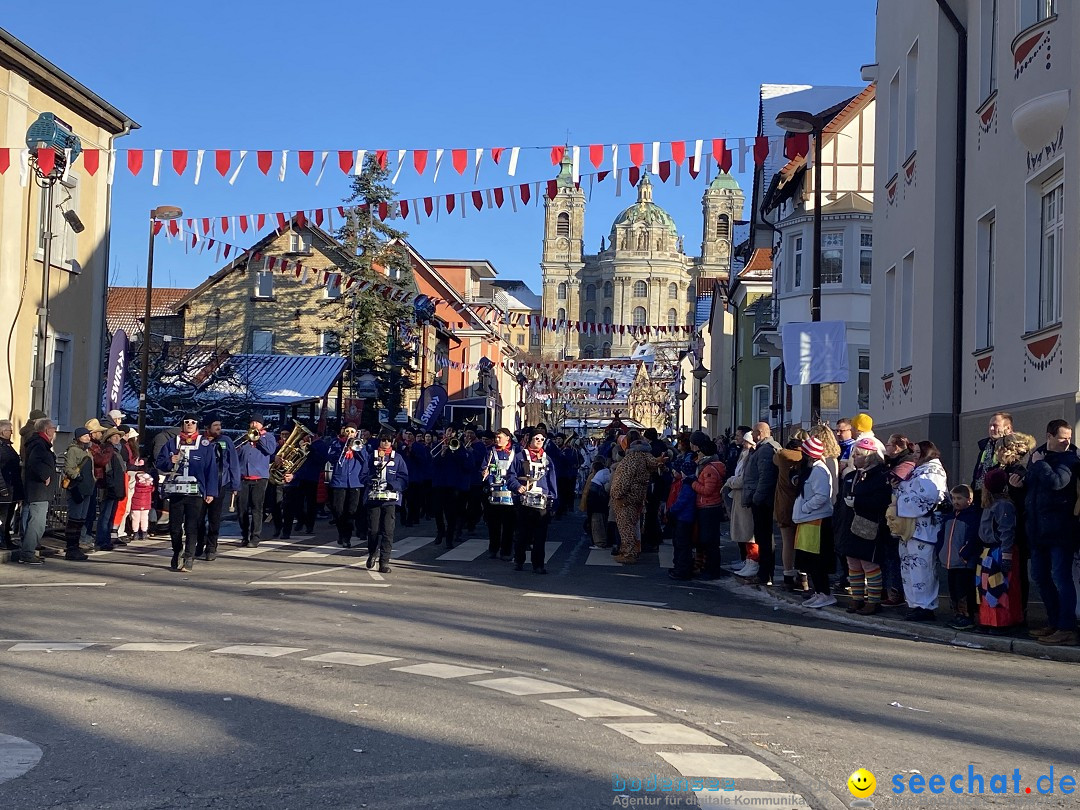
[(752, 304), (641, 275)]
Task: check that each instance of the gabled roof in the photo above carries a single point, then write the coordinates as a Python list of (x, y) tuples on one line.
[(126, 306), (446, 290), (760, 260), (482, 267), (519, 296)]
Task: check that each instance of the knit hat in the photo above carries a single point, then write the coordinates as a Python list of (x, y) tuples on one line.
[(996, 480), (36, 414), (257, 417), (80, 432), (862, 423), (749, 438), (698, 438), (813, 448)]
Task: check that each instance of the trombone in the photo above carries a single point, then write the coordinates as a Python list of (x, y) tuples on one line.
[(453, 445), (251, 436)]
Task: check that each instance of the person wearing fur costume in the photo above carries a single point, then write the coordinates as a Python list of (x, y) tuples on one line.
[(918, 497)]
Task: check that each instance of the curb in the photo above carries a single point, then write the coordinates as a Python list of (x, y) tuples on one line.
[(913, 631)]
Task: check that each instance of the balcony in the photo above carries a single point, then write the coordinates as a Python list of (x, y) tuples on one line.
[(766, 314)]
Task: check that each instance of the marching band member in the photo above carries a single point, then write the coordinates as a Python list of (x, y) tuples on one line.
[(418, 493), (228, 466), (191, 484), (500, 500), (450, 477), (532, 477), (254, 456), (386, 478), (349, 456)]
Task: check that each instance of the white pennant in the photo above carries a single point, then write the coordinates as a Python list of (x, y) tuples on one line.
[(461, 203), (284, 164), (438, 163), (512, 168), (513, 198), (697, 155), (322, 168), (415, 205), (490, 199), (199, 154), (400, 162), (24, 167), (744, 147), (358, 167), (236, 171), (479, 155), (157, 167), (655, 157), (615, 169), (576, 165), (112, 166)]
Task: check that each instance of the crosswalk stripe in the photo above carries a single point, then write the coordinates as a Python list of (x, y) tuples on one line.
[(318, 551), (156, 646), (550, 549), (667, 556), (723, 766), (50, 646), (259, 650), (523, 686), (598, 707), (601, 556), (409, 544), (264, 545), (664, 734), (469, 550)]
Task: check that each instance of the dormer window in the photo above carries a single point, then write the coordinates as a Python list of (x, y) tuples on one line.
[(298, 244)]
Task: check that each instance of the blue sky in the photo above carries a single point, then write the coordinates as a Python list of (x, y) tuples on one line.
[(427, 74)]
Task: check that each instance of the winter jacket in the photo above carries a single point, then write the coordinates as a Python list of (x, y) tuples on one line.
[(418, 457), (787, 465), (131, 461), (79, 468), (984, 462), (350, 466), (567, 463), (681, 503), (902, 465), (39, 469), (11, 470), (397, 474), (708, 483), (959, 538), (919, 497), (759, 484), (102, 453), (1051, 495), (202, 462), (871, 495), (998, 526), (815, 501), (522, 467), (254, 459), (144, 492), (742, 518), (452, 469), (595, 499), (228, 463)]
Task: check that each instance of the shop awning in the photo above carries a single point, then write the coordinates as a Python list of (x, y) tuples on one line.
[(277, 380)]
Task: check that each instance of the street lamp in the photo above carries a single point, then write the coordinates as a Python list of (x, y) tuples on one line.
[(522, 381), (163, 213), (804, 123)]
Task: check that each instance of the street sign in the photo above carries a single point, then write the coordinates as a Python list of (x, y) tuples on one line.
[(367, 386)]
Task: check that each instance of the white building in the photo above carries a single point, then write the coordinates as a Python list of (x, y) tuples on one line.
[(992, 163), (847, 189)]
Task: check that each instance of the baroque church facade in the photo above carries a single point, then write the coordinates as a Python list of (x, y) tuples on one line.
[(641, 276)]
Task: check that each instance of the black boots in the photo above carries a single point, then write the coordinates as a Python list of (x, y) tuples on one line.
[(72, 533)]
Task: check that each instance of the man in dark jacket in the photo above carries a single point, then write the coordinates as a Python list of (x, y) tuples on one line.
[(759, 492), (38, 476), (254, 457), (999, 427), (11, 486), (1052, 530), (228, 471)]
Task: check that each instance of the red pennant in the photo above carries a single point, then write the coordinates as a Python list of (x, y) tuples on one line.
[(496, 153), (179, 160), (477, 200), (157, 226), (243, 223), (91, 160), (266, 160), (678, 151), (552, 189), (380, 157), (341, 211), (46, 159), (796, 144), (224, 224), (174, 227), (761, 149), (206, 226), (725, 161), (419, 160), (596, 154), (692, 167), (222, 158), (301, 219), (633, 175), (664, 170), (460, 159), (637, 153), (717, 149), (384, 211), (557, 154), (271, 262), (525, 193), (281, 221), (498, 198), (345, 160), (449, 203), (600, 177), (319, 217), (403, 206), (134, 160), (306, 159), (260, 221), (429, 205), (227, 249)]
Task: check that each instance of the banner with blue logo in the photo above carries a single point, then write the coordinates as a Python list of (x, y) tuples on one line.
[(430, 405)]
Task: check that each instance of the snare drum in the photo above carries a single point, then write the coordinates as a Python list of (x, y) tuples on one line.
[(383, 496), (180, 486), (500, 497), (535, 500)]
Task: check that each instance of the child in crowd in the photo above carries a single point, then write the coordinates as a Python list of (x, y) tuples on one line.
[(595, 500), (140, 505), (997, 580), (959, 548), (682, 510)]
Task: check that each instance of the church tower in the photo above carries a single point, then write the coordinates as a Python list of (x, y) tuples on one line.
[(561, 264), (722, 207)]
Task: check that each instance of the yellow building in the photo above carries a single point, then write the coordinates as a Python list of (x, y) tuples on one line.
[(78, 275)]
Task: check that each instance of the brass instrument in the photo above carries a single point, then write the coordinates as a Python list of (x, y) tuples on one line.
[(290, 456), (251, 437), (356, 445), (453, 446)]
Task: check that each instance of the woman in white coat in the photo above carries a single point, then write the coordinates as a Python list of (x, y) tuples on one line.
[(918, 497), (742, 518), (812, 516)]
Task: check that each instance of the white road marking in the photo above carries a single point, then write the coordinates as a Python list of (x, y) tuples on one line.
[(351, 659), (56, 585), (664, 734), (409, 544), (375, 575), (523, 686), (723, 766), (51, 646), (315, 553), (277, 583), (667, 556), (249, 551), (549, 551), (601, 556), (597, 707), (442, 670), (260, 650), (751, 798), (156, 646), (469, 550), (17, 756), (594, 599)]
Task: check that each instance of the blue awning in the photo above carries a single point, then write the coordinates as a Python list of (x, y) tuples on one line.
[(280, 379)]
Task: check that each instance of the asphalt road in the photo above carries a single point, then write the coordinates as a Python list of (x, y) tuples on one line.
[(260, 700)]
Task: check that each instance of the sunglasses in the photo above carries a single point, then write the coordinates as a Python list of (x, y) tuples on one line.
[(190, 422)]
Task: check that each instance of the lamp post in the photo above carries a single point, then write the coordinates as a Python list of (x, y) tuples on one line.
[(805, 123), (522, 381), (162, 213)]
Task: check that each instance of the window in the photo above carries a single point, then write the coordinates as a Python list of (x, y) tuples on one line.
[(561, 315), (607, 315), (590, 292), (298, 244), (641, 289), (830, 401), (907, 309), (1033, 11), (673, 291), (866, 257), (796, 264), (832, 258), (605, 351), (609, 289), (562, 291), (589, 353), (723, 227), (333, 286), (889, 332), (640, 316), (520, 338), (986, 255), (910, 99), (761, 411), (329, 343), (262, 341), (58, 380), (65, 241), (894, 125), (534, 337), (590, 316), (264, 284), (989, 30), (562, 225), (1053, 241), (672, 318), (690, 297), (864, 380)]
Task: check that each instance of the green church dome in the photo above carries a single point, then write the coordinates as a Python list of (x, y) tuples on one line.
[(644, 211)]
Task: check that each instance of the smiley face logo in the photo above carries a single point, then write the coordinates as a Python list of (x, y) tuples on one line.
[(862, 783)]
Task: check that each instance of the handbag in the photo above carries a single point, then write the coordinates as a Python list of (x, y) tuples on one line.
[(808, 537), (865, 528)]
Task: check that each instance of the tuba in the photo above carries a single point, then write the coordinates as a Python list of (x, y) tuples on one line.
[(291, 455)]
